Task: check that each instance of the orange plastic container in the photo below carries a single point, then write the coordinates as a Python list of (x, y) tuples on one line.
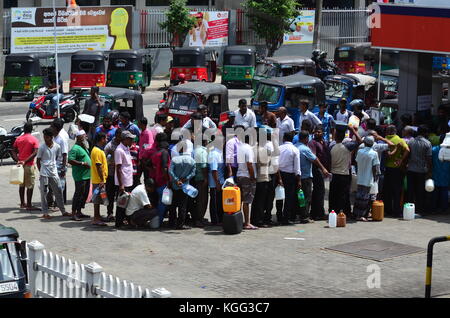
[(231, 200), (378, 211)]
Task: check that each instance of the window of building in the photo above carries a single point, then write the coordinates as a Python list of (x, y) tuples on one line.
[(123, 2), (88, 3), (10, 4)]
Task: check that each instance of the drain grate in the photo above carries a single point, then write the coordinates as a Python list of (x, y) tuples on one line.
[(376, 249)]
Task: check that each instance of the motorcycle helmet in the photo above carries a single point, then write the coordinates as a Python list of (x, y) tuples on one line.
[(3, 131), (357, 104), (316, 53), (323, 54), (113, 116), (181, 77)]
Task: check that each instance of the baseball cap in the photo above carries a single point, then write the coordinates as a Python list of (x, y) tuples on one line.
[(80, 133), (127, 134)]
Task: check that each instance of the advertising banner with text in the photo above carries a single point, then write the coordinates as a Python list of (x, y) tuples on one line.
[(81, 28), (211, 29), (302, 29)]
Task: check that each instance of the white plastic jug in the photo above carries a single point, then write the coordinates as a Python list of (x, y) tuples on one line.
[(190, 191), (408, 211), (332, 219), (279, 193), (429, 185), (16, 175), (167, 196)]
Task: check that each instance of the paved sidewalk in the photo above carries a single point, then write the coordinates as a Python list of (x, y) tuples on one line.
[(207, 263)]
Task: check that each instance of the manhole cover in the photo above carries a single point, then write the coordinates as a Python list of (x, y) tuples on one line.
[(375, 249)]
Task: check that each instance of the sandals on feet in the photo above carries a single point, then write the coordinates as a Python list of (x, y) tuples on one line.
[(46, 216), (250, 227)]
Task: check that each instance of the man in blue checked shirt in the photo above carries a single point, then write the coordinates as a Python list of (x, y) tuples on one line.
[(327, 121), (182, 169)]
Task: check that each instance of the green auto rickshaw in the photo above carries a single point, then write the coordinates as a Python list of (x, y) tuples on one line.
[(117, 99), (130, 69), (238, 65), (13, 265), (25, 73)]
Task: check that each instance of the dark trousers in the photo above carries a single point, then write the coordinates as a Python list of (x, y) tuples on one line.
[(179, 201), (270, 196), (215, 206), (111, 192), (120, 212), (201, 201), (307, 187), (392, 189), (142, 216), (416, 191), (339, 198), (318, 195), (291, 201), (259, 203), (136, 181), (440, 199), (80, 196)]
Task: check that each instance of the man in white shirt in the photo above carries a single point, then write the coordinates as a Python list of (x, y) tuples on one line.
[(306, 114), (206, 121), (231, 153), (141, 209), (289, 165), (62, 139), (285, 124), (245, 116), (246, 178)]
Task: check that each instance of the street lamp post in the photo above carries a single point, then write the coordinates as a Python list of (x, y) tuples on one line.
[(56, 58)]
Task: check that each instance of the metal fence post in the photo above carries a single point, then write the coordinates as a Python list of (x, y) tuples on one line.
[(93, 275), (430, 262), (35, 249)]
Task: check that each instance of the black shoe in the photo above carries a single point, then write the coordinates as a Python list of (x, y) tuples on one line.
[(287, 223), (183, 227)]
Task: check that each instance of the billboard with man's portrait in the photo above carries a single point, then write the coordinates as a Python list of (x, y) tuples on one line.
[(211, 29), (80, 28)]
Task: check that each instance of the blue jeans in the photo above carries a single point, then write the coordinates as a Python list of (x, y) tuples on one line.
[(53, 103), (161, 207)]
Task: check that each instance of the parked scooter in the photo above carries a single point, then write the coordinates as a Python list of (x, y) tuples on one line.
[(69, 108), (7, 140)]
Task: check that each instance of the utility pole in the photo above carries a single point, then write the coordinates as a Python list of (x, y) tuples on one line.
[(2, 64), (317, 24)]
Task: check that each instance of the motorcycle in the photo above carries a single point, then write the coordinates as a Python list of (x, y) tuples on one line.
[(68, 105), (7, 140)]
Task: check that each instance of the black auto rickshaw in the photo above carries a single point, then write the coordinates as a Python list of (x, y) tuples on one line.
[(130, 69), (283, 66), (13, 265), (238, 65), (183, 100), (25, 73), (119, 99), (288, 92), (196, 63), (88, 69)]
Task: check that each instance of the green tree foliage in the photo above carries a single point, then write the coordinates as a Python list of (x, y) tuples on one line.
[(271, 20), (178, 23)]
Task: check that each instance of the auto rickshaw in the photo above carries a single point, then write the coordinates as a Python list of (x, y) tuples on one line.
[(197, 64), (130, 69), (288, 92), (88, 69), (13, 265), (120, 99), (25, 73), (362, 58), (238, 65), (283, 66), (390, 80), (183, 100), (350, 87)]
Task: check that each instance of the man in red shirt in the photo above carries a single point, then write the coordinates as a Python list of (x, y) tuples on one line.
[(24, 151)]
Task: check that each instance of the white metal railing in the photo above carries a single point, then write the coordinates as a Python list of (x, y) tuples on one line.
[(6, 31), (53, 276)]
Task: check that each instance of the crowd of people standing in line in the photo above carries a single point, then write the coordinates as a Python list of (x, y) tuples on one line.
[(389, 163)]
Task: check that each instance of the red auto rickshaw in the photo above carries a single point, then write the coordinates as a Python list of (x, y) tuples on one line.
[(88, 69), (197, 64), (182, 101), (355, 58)]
